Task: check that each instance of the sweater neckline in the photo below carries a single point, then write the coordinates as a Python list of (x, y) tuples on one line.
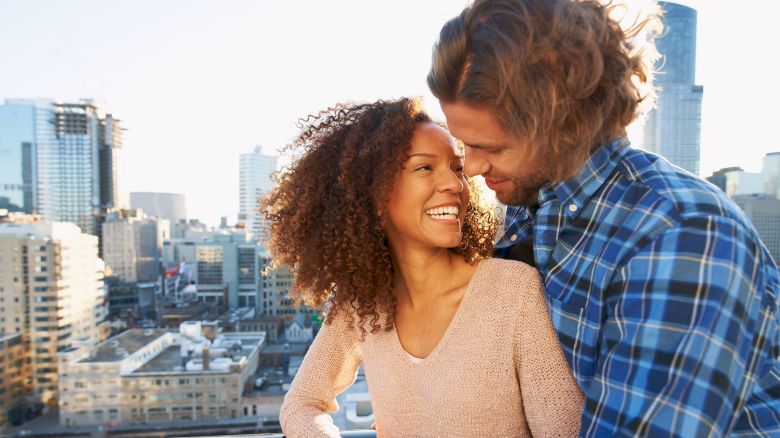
[(420, 361)]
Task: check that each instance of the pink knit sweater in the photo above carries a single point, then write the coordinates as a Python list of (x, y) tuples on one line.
[(498, 370)]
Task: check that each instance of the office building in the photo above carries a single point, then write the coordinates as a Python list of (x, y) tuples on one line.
[(719, 177), (764, 212), (132, 245), (159, 376), (770, 167), (15, 377), (222, 264), (673, 128), (51, 293), (273, 289), (17, 149), (63, 160), (255, 170)]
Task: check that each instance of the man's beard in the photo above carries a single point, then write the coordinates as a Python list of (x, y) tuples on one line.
[(526, 193)]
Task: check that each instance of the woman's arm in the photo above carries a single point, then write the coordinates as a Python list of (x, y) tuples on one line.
[(551, 397), (329, 367)]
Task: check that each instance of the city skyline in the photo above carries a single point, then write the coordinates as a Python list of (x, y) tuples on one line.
[(198, 84)]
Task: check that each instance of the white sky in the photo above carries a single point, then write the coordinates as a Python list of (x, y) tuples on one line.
[(197, 83)]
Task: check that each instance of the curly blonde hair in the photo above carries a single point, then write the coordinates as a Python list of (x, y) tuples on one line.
[(323, 212)]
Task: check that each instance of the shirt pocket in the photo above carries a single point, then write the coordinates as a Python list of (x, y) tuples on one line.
[(578, 334)]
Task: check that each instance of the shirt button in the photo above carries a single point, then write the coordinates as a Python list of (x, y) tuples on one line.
[(513, 238), (572, 208)]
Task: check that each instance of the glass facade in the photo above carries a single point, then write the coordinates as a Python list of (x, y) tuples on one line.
[(673, 129), (58, 160), (210, 265), (246, 266), (17, 140), (677, 45)]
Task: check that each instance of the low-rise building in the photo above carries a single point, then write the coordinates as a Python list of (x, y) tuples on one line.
[(159, 375)]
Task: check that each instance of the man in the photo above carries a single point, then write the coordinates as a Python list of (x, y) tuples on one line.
[(664, 298)]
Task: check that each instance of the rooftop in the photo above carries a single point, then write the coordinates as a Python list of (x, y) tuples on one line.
[(296, 349), (123, 345), (170, 359)]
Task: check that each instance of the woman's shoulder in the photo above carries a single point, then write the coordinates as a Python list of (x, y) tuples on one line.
[(507, 272), (508, 282)]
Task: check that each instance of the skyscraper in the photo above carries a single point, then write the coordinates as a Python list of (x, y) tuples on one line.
[(254, 171), (673, 128), (17, 150), (62, 160)]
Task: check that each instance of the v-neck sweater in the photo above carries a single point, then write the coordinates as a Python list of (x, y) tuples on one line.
[(498, 370)]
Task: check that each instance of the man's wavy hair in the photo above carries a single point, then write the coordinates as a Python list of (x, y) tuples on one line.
[(324, 212), (560, 74)]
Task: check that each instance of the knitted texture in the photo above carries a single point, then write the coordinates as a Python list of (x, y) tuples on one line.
[(497, 371)]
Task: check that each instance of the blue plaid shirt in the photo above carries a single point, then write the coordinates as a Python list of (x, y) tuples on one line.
[(663, 296)]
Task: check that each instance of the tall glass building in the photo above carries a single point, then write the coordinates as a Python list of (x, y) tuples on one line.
[(673, 129), (59, 160), (19, 138)]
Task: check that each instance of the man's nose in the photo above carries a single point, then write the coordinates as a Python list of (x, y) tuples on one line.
[(474, 162)]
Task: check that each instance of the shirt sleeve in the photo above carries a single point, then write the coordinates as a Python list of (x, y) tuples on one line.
[(551, 398), (329, 367), (685, 336)]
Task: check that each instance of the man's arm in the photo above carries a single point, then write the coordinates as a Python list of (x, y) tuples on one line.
[(684, 337)]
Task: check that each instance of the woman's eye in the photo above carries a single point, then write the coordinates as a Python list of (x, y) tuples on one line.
[(423, 167)]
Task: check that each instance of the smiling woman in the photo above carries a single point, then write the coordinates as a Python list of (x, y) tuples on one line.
[(382, 227), (330, 209)]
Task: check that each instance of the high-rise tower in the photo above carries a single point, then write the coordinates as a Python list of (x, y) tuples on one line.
[(673, 128), (254, 171), (51, 284), (62, 160)]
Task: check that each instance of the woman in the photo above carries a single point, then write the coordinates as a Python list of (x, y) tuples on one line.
[(377, 219)]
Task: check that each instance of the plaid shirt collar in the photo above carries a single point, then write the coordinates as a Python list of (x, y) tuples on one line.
[(575, 191)]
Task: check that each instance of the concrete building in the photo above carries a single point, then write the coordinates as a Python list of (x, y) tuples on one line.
[(273, 290), (51, 292), (739, 182), (254, 173), (735, 181), (719, 177), (673, 128), (764, 212), (222, 263), (158, 376), (186, 229), (770, 167), (132, 245), (227, 272), (173, 314), (15, 376), (170, 206), (248, 319)]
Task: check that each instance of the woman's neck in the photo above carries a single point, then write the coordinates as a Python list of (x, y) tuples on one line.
[(422, 276)]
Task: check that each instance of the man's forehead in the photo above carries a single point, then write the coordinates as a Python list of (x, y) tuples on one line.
[(474, 126)]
